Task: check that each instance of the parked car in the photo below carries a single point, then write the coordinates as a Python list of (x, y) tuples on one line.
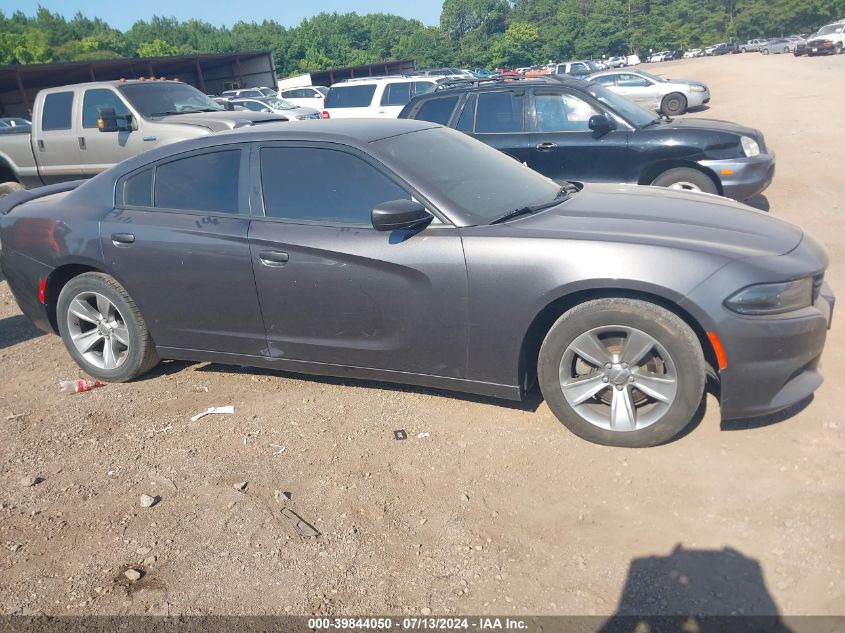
[(279, 106), (570, 129), (662, 56), (725, 49), (580, 68), (617, 62), (406, 252), (267, 92), (83, 129), (381, 97), (634, 60), (668, 96), (693, 52), (752, 46), (709, 50), (830, 39), (241, 93), (778, 45), (306, 96)]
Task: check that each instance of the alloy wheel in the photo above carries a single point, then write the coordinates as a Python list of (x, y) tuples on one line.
[(618, 378), (684, 185), (97, 330)]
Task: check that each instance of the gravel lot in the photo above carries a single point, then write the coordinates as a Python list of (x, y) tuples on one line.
[(498, 510)]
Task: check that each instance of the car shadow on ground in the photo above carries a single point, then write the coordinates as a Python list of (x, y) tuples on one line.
[(759, 201), (530, 402), (691, 590), (701, 108), (766, 420), (17, 329)]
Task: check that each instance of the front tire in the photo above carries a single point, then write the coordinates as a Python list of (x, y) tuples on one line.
[(686, 179), (622, 372), (838, 48), (673, 104), (10, 187), (103, 330)]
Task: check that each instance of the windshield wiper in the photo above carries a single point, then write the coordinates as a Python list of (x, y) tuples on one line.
[(563, 194)]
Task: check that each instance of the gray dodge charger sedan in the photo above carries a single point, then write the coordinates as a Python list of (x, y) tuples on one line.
[(403, 251)]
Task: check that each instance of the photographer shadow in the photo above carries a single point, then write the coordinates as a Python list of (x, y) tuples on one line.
[(695, 590)]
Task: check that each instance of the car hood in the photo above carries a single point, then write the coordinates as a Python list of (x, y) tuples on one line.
[(221, 121), (709, 124), (686, 82), (663, 217), (821, 38)]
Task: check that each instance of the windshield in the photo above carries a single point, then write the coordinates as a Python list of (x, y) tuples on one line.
[(629, 110), (280, 104), (830, 28), (473, 179), (165, 97), (654, 78)]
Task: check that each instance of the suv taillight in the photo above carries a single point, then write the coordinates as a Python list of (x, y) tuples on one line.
[(326, 114)]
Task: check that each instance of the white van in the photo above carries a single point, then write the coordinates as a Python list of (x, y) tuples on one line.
[(380, 97)]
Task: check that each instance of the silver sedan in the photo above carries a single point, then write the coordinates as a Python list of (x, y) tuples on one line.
[(668, 96), (278, 106)]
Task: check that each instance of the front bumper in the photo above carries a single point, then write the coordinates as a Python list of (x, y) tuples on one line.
[(696, 99), (743, 178), (772, 361)]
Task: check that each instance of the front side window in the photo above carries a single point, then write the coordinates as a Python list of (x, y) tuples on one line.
[(437, 110), (95, 100), (255, 106), (605, 80), (499, 112), (202, 182), (558, 112), (350, 96), (322, 186), (56, 114)]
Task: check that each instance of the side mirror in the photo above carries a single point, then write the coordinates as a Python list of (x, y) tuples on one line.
[(400, 214), (109, 121), (600, 124)]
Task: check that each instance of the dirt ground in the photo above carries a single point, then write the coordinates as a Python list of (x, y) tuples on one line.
[(498, 510)]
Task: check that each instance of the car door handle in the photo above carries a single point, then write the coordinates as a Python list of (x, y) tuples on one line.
[(122, 239), (546, 147), (81, 142), (273, 258)]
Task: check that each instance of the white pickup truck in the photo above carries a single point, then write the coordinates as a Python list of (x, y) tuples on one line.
[(83, 129)]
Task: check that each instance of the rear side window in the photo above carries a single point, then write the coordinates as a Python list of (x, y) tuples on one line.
[(437, 110), (203, 182), (326, 186), (605, 80), (397, 94), (421, 87), (56, 114), (99, 98), (138, 189), (499, 112), (350, 96)]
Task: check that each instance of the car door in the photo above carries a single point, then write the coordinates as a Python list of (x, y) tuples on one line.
[(334, 290), (500, 122), (54, 140), (101, 150), (177, 240), (564, 148), (637, 88)]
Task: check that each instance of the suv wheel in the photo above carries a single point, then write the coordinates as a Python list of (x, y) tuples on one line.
[(103, 330), (838, 48), (622, 372), (687, 179), (673, 104)]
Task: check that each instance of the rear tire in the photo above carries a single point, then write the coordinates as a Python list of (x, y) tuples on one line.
[(687, 179), (765, 51), (103, 330), (664, 354), (673, 104)]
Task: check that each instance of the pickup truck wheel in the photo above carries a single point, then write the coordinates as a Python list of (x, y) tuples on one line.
[(103, 330), (622, 372), (10, 187), (686, 179), (673, 104), (743, 50), (838, 48)]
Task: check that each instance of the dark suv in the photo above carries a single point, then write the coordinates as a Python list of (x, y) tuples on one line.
[(570, 129)]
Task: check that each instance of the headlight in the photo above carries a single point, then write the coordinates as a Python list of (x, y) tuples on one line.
[(698, 88), (750, 146), (778, 298)]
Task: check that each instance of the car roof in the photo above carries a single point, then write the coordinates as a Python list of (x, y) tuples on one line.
[(116, 83), (482, 85)]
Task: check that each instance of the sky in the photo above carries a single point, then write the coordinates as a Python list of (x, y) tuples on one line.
[(122, 15)]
